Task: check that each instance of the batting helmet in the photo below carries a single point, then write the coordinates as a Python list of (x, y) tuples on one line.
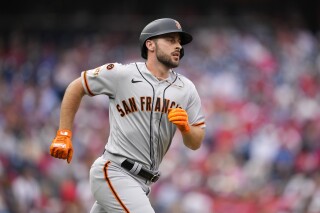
[(160, 27)]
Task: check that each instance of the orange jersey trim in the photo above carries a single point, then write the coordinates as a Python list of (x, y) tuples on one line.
[(105, 169), (198, 124), (86, 83)]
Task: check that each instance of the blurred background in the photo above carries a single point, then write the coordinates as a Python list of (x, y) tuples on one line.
[(256, 65)]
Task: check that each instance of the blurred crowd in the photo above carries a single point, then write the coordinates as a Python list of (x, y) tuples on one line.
[(259, 82)]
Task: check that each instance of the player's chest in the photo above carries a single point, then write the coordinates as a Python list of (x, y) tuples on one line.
[(148, 96), (139, 88)]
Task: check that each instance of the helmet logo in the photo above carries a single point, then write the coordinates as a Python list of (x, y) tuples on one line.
[(178, 25)]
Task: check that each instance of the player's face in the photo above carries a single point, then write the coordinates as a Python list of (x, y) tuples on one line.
[(168, 49)]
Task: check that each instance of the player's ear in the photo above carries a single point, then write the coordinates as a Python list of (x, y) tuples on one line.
[(150, 45)]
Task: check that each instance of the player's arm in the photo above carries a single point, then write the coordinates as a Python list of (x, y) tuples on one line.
[(70, 104), (61, 146), (192, 135)]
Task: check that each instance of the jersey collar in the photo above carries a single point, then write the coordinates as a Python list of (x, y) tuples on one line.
[(173, 79)]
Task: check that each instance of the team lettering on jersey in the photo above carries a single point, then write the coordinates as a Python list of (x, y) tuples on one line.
[(160, 105)]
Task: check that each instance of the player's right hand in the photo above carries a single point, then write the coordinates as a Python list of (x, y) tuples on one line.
[(61, 146)]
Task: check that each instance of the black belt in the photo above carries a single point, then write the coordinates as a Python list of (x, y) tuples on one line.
[(137, 169)]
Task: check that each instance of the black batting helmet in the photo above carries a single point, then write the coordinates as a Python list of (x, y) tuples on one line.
[(160, 27)]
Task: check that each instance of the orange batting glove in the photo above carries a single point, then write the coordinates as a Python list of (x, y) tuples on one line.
[(61, 146), (179, 117)]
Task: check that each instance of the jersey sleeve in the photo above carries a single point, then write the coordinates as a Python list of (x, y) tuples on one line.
[(194, 110), (101, 80)]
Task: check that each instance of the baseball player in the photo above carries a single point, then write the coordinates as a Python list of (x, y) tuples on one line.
[(148, 102)]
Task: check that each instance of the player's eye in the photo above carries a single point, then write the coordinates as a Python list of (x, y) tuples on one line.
[(174, 40), (170, 39)]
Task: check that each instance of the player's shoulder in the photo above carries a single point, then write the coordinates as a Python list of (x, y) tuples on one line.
[(120, 66), (184, 79), (113, 66)]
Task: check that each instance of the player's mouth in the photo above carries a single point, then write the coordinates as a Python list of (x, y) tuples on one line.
[(176, 54)]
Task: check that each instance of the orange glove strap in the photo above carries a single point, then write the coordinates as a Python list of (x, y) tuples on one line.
[(179, 117), (64, 132)]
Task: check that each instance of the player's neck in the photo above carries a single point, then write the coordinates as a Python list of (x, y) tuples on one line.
[(158, 70)]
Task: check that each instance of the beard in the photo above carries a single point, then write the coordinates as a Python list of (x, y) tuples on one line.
[(165, 59)]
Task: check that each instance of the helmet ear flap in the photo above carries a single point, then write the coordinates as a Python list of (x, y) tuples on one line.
[(181, 53), (144, 52)]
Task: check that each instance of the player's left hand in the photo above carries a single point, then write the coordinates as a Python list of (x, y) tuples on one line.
[(179, 117), (61, 146)]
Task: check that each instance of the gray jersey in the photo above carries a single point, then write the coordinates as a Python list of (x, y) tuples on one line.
[(139, 102)]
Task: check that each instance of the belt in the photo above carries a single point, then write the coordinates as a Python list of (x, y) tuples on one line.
[(137, 169)]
